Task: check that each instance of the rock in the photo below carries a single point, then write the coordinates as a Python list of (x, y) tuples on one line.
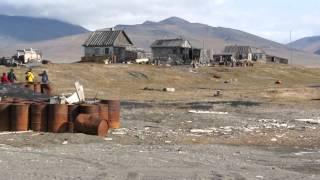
[(278, 82)]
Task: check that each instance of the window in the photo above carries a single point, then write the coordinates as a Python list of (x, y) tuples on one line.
[(174, 51), (106, 51), (97, 51)]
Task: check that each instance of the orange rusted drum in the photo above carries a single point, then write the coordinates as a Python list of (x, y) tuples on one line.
[(39, 117), (37, 87), (19, 115), (73, 111), (91, 124), (114, 114), (4, 116), (29, 86), (46, 89), (92, 109), (58, 118), (103, 111)]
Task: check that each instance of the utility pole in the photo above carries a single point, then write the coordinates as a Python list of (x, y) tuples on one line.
[(290, 48)]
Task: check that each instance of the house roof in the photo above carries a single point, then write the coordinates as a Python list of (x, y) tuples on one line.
[(171, 43), (103, 38), (243, 50)]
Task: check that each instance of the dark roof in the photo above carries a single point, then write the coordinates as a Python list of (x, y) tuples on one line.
[(103, 38), (243, 50), (171, 43)]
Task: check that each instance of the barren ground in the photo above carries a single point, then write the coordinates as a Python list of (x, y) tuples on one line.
[(256, 137)]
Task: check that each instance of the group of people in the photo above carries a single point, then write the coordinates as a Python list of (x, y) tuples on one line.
[(10, 77)]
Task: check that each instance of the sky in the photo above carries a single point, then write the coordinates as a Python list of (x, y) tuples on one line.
[(271, 19)]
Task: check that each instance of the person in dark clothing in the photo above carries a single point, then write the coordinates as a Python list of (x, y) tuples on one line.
[(11, 76), (44, 77), (4, 78)]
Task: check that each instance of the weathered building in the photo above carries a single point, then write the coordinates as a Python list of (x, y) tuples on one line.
[(28, 55), (276, 59), (222, 59), (174, 51), (114, 45), (246, 53)]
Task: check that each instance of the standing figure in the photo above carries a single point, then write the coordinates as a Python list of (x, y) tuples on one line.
[(29, 76), (4, 78), (11, 76), (44, 77)]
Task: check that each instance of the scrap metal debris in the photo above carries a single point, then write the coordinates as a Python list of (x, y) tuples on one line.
[(207, 112)]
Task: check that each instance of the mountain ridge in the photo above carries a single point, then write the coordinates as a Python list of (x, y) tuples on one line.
[(33, 29)]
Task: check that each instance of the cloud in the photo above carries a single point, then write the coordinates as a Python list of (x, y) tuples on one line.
[(272, 19)]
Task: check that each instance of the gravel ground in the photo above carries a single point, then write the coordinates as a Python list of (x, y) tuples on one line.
[(163, 140)]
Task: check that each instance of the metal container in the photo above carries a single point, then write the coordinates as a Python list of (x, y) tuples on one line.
[(19, 115), (46, 89), (114, 114), (91, 124), (58, 118), (37, 87), (103, 111), (92, 109), (4, 116), (29, 86), (73, 112), (39, 117)]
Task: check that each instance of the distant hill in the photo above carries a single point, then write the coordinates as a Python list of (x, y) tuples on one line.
[(68, 49), (29, 29), (308, 44)]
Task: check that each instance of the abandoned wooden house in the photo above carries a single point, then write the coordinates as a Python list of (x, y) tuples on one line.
[(174, 51), (276, 59), (109, 45), (246, 53)]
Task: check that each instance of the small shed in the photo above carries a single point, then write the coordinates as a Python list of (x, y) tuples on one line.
[(276, 59), (108, 44), (222, 59), (173, 51), (246, 52)]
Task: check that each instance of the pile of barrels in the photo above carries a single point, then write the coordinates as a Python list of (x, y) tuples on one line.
[(93, 119), (37, 87)]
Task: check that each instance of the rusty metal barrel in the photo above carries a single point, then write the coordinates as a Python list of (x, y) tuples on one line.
[(58, 118), (37, 87), (4, 116), (19, 115), (92, 109), (91, 124), (114, 114), (46, 89), (103, 111), (29, 86), (39, 117), (73, 112)]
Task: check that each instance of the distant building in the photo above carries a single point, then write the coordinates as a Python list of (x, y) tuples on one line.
[(28, 55), (114, 45), (174, 51), (277, 60), (246, 52)]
